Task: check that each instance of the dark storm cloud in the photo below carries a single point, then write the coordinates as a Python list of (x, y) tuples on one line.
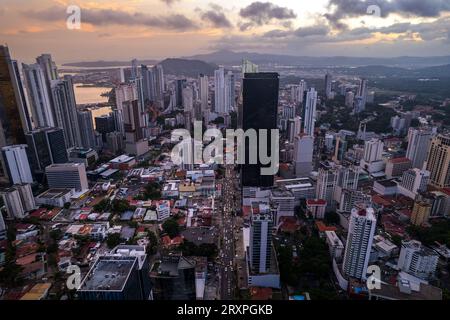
[(319, 30), (259, 13), (215, 16), (342, 9), (116, 17)]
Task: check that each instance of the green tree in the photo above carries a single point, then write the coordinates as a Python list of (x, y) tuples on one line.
[(113, 240), (332, 217), (171, 227), (101, 206)]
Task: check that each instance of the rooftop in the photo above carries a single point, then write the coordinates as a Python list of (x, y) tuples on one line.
[(109, 273), (54, 193)]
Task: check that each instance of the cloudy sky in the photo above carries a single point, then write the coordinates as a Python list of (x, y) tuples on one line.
[(123, 29)]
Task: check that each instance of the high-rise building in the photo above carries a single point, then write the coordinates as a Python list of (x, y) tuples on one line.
[(3, 234), (303, 155), (204, 91), (420, 213), (48, 66), (13, 203), (230, 94), (17, 165), (115, 142), (260, 110), (67, 176), (438, 162), (328, 85), (417, 259), (180, 84), (18, 201), (133, 124), (349, 99), (219, 91), (295, 125), (38, 96), (298, 93), (373, 150), (124, 92), (187, 99), (46, 146), (65, 107), (15, 119), (414, 181), (14, 116), (122, 274), (396, 166), (134, 69), (26, 196), (173, 278), (361, 230), (249, 67), (362, 94), (419, 140), (148, 83), (105, 124), (86, 126), (372, 160), (159, 81), (260, 237), (310, 112), (331, 183)]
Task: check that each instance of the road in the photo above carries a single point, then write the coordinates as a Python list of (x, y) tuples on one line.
[(227, 249)]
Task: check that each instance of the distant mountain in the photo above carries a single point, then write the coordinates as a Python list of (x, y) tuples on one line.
[(105, 64), (228, 57), (187, 67), (441, 71)]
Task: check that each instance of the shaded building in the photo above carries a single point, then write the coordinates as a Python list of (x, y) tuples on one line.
[(120, 275), (45, 147), (15, 119), (173, 278), (260, 103), (65, 108)]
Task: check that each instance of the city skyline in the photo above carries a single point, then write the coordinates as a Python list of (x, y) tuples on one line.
[(156, 29)]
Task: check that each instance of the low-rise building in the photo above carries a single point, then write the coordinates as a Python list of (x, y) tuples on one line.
[(54, 197)]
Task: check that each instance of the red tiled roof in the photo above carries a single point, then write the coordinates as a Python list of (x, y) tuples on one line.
[(446, 191), (322, 227), (316, 202), (259, 293), (377, 199), (399, 160), (246, 210)]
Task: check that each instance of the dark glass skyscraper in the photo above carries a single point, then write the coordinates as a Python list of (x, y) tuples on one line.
[(14, 117), (259, 111), (46, 146)]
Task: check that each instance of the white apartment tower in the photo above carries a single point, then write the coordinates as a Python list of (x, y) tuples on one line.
[(38, 96), (260, 237), (361, 230), (417, 259), (419, 140), (303, 155), (219, 91), (310, 112), (17, 165)]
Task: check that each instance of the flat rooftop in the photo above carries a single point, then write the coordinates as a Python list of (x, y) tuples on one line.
[(109, 273), (54, 193), (278, 193)]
